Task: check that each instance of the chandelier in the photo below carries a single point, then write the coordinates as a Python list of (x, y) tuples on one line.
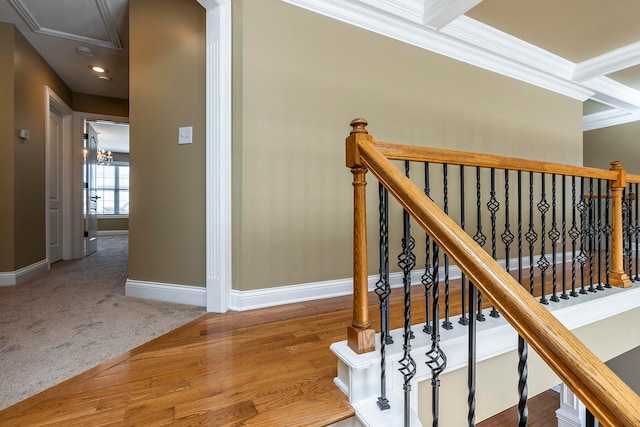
[(104, 157)]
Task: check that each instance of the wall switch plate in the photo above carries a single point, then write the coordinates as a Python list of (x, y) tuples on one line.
[(184, 135)]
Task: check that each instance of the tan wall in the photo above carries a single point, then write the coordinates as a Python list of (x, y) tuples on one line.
[(299, 82), (626, 367), (167, 90), (602, 146), (108, 224), (7, 141), (100, 105), (30, 76)]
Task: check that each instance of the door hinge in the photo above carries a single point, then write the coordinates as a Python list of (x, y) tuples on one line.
[(86, 234), (85, 136), (85, 185)]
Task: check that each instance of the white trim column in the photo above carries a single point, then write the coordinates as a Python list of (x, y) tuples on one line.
[(218, 155), (572, 413)]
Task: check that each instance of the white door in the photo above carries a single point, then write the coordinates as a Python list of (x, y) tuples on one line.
[(91, 227), (54, 163)]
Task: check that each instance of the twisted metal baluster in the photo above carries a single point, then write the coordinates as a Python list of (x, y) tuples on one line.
[(520, 280), (625, 228), (406, 261), (523, 373), (574, 233), (531, 235), (543, 263), (436, 359), (479, 237), (427, 277), (471, 370), (554, 235), (383, 290), (507, 236), (582, 257), (629, 229), (463, 318), (608, 231), (564, 239), (591, 233), (493, 205), (637, 235), (600, 231), (446, 324)]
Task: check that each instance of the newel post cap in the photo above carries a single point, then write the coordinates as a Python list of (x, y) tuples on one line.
[(358, 134), (359, 126)]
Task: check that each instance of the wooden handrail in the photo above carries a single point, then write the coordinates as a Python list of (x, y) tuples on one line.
[(607, 397)]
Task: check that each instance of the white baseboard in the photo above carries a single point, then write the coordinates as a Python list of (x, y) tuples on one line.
[(12, 278), (113, 232), (180, 294), (270, 297)]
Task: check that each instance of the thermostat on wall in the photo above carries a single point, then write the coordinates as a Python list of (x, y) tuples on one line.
[(24, 134)]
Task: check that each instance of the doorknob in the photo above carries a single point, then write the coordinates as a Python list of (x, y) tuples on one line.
[(94, 198)]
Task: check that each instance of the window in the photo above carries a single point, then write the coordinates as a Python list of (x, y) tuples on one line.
[(112, 185)]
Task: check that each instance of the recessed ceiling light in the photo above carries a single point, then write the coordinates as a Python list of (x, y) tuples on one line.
[(98, 69), (105, 78), (84, 51)]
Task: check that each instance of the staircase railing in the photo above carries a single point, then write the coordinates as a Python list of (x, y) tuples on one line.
[(603, 393)]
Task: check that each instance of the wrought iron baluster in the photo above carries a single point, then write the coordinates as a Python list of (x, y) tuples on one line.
[(479, 237), (637, 233), (574, 233), (564, 239), (463, 318), (493, 205), (608, 231), (520, 280), (436, 359), (446, 324), (591, 233), (599, 232), (582, 257), (543, 263), (471, 370), (383, 290), (523, 373), (554, 235), (531, 235), (507, 236), (427, 277), (629, 229), (406, 261), (626, 215)]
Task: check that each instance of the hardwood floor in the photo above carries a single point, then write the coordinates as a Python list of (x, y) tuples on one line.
[(268, 367)]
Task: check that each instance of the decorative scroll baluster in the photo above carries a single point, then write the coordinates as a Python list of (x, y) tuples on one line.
[(625, 227), (436, 359), (520, 280), (591, 233), (479, 237), (427, 277), (574, 233), (463, 318), (531, 235), (608, 231), (493, 205), (543, 263), (554, 235), (406, 261), (564, 239), (383, 290), (599, 232), (446, 324), (629, 229), (582, 257), (507, 236), (471, 369), (637, 233)]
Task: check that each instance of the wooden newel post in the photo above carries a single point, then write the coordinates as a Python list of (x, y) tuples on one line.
[(360, 335), (617, 276)]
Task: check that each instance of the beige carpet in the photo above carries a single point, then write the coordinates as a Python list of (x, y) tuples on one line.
[(74, 318)]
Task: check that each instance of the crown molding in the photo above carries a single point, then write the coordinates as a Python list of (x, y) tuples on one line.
[(105, 12), (439, 13), (607, 118), (363, 16), (607, 63), (610, 92)]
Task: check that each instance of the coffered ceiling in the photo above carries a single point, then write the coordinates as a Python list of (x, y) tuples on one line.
[(585, 49)]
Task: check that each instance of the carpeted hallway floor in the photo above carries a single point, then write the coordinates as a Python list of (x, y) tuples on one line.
[(73, 318)]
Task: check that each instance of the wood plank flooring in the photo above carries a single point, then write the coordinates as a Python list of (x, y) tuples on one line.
[(267, 367)]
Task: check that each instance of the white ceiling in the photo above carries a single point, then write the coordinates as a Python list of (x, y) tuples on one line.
[(585, 49), (112, 136)]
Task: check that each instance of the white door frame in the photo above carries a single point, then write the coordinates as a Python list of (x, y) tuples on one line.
[(77, 229), (218, 155), (52, 102)]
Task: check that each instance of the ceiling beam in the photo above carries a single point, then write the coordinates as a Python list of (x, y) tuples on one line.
[(439, 13)]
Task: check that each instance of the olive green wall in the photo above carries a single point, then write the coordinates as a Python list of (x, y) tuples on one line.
[(299, 78), (602, 146), (7, 141), (28, 73), (100, 105), (167, 91)]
